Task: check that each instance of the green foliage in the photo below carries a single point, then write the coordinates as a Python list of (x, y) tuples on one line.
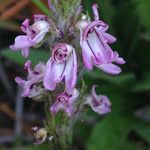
[(143, 85), (33, 147), (112, 133), (143, 10), (119, 80), (109, 133), (144, 131), (35, 56), (125, 90)]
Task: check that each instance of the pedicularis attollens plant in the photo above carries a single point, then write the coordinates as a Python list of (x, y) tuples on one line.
[(75, 42)]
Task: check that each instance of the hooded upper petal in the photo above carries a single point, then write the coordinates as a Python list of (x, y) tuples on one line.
[(62, 65)]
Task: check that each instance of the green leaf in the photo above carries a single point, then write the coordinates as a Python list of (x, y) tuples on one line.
[(33, 147), (143, 10), (35, 56), (81, 131), (143, 85), (119, 80), (110, 133), (144, 131)]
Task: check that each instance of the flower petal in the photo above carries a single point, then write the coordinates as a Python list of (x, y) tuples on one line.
[(103, 28), (25, 26), (87, 55), (65, 102), (109, 38), (95, 11), (101, 47), (20, 81), (71, 71), (99, 103), (93, 93), (54, 74), (25, 52), (118, 59), (104, 105), (22, 43), (110, 68), (39, 17), (39, 37)]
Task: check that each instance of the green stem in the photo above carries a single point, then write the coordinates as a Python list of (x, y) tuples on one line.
[(60, 127), (66, 140)]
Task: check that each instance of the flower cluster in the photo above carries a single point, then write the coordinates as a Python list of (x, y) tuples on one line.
[(60, 73), (94, 43)]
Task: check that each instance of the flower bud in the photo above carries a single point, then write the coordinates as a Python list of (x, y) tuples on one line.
[(40, 135)]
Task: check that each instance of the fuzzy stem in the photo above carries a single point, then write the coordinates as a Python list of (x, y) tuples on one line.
[(61, 131)]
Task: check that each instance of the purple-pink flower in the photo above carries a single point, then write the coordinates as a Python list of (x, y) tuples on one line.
[(34, 34), (99, 103), (94, 43), (34, 76), (62, 66), (65, 102)]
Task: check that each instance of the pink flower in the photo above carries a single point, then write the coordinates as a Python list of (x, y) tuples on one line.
[(34, 76), (99, 103), (34, 34), (61, 66), (94, 43), (65, 102)]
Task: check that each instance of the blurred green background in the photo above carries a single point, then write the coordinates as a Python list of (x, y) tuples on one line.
[(127, 127)]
